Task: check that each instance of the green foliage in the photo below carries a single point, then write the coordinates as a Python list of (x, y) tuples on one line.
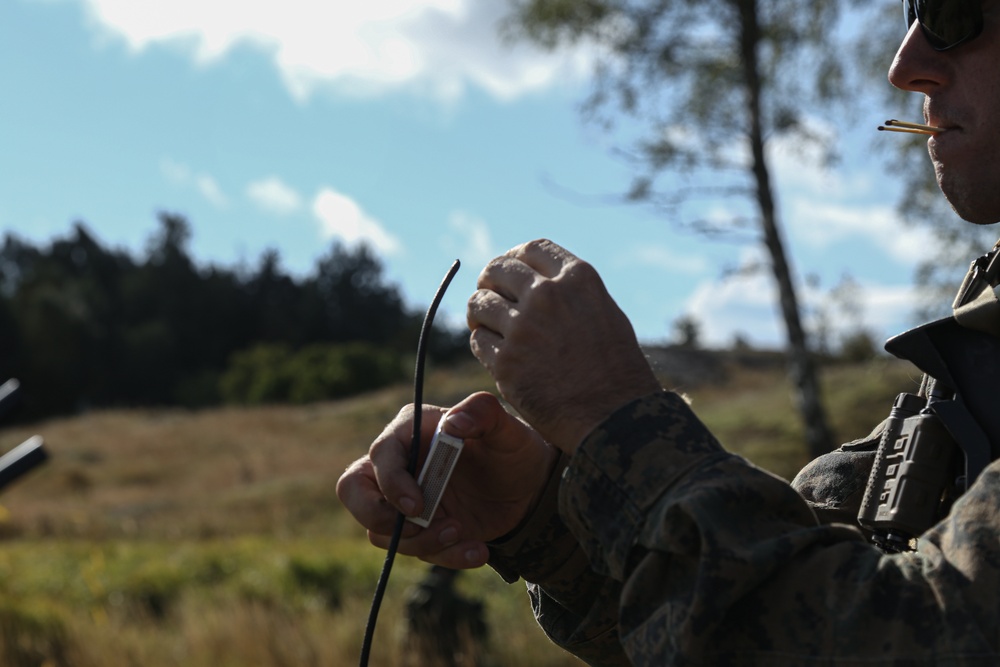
[(273, 373), (554, 21), (236, 602), (681, 67), (324, 372), (32, 635), (153, 587), (150, 578), (858, 346), (84, 326), (325, 578), (687, 331), (258, 375)]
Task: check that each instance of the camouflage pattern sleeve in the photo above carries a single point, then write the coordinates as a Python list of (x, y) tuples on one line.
[(834, 484), (577, 608), (721, 563)]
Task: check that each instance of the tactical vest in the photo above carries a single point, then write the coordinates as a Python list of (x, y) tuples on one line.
[(936, 443), (902, 478)]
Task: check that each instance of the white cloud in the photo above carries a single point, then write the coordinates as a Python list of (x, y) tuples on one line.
[(341, 217), (748, 305), (438, 46), (736, 305), (274, 195), (820, 223), (798, 161), (210, 190), (888, 309), (175, 171), (666, 259), (182, 175), (470, 239)]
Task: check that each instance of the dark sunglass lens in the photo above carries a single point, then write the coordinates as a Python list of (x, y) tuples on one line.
[(946, 23)]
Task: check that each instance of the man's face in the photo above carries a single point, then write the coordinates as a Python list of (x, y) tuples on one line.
[(962, 95)]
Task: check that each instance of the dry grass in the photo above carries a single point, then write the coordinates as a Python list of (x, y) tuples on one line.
[(169, 537), (232, 471), (753, 413)]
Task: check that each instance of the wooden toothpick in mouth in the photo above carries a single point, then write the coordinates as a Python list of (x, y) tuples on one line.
[(911, 128)]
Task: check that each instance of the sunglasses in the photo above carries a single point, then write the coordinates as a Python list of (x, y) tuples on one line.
[(946, 23)]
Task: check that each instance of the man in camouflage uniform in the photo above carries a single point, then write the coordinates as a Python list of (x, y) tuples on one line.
[(643, 541)]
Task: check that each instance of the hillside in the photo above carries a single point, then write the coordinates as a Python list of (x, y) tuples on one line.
[(173, 537)]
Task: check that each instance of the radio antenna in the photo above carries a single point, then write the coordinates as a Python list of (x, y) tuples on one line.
[(418, 403)]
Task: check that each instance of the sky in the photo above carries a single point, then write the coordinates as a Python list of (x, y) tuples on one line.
[(407, 125)]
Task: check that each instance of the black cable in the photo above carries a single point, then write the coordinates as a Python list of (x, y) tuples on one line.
[(418, 403)]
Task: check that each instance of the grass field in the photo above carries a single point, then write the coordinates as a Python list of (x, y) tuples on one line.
[(156, 538)]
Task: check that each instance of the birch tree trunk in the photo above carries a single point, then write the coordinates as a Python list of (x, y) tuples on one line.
[(802, 370)]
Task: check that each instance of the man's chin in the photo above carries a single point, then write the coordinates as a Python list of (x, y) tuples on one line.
[(981, 217), (973, 204)]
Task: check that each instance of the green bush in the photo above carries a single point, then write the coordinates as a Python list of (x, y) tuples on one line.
[(154, 587), (275, 374), (323, 578), (258, 375)]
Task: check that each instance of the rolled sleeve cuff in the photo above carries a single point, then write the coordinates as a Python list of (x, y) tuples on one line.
[(625, 466), (542, 547)]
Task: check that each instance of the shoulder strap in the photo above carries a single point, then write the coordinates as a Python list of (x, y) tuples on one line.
[(977, 305)]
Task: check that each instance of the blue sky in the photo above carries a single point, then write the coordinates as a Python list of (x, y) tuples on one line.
[(405, 124)]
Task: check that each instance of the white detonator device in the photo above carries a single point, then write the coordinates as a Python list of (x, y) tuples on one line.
[(434, 476)]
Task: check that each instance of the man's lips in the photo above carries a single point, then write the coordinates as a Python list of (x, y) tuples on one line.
[(941, 118), (944, 125)]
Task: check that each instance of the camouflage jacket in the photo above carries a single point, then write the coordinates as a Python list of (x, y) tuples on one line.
[(654, 546)]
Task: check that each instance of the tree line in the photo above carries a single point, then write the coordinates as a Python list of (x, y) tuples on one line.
[(87, 326)]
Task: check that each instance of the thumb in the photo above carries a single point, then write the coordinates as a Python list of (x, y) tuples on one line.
[(478, 416)]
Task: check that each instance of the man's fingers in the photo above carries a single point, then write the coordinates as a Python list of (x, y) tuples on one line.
[(387, 467), (477, 416), (462, 556), (360, 494), (508, 276), (488, 309), (440, 544), (485, 346), (544, 256), (516, 271), (390, 460)]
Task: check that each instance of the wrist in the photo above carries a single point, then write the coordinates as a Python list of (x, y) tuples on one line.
[(589, 415), (514, 554)]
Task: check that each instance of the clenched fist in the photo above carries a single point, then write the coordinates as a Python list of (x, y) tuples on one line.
[(561, 351)]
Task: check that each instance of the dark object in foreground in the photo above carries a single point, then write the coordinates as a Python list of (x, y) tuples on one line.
[(29, 453), (444, 629)]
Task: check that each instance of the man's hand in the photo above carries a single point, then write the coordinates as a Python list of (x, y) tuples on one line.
[(561, 351), (497, 482)]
